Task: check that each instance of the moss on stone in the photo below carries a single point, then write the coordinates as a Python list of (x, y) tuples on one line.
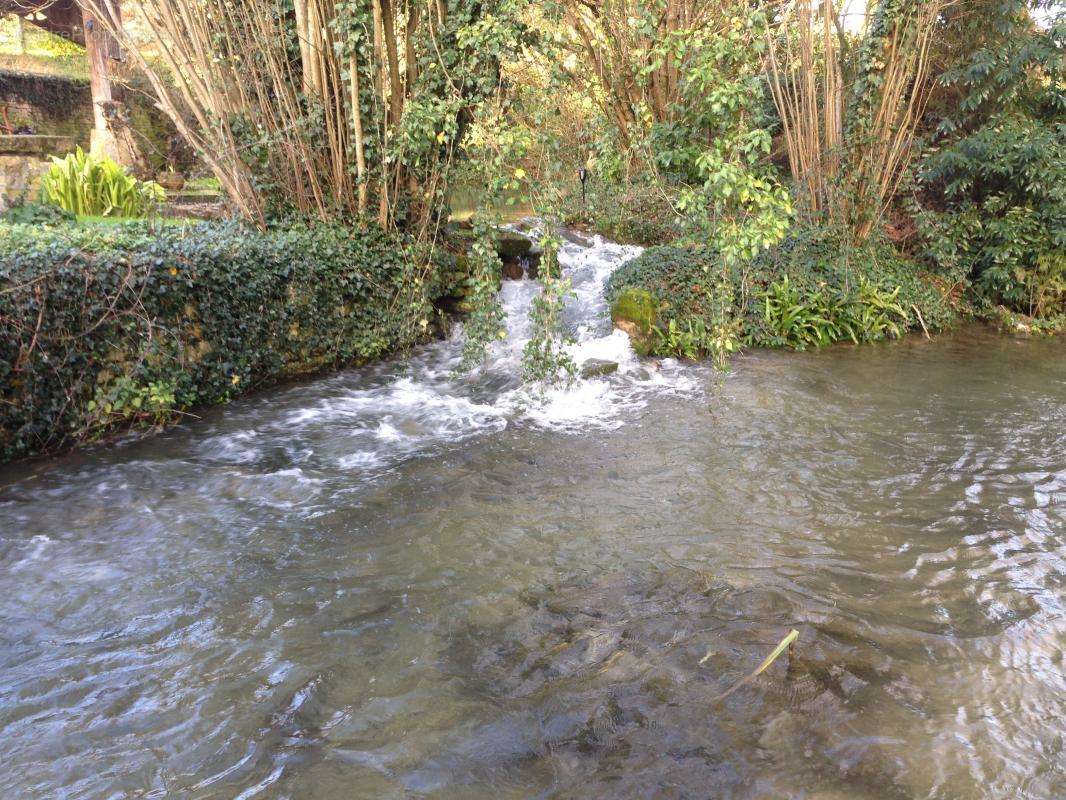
[(512, 245), (634, 311)]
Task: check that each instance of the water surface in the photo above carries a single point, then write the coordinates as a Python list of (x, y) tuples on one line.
[(398, 583)]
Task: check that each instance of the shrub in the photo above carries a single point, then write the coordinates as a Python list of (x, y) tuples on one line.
[(993, 199), (674, 276), (87, 185), (36, 214), (818, 258), (106, 326), (809, 291), (692, 298), (1003, 224), (638, 211)]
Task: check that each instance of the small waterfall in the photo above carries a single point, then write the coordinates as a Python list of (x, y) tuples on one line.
[(374, 416)]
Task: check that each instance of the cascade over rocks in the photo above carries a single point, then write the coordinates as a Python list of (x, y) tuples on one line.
[(574, 237)]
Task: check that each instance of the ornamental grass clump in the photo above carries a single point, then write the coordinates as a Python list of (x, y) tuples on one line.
[(89, 185)]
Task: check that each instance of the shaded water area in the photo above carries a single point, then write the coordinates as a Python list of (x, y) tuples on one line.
[(398, 583)]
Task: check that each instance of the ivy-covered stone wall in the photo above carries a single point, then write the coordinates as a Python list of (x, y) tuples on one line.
[(47, 105), (107, 326)]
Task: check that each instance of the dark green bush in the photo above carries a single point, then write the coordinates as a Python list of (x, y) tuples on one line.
[(809, 291), (992, 200), (36, 214), (638, 211), (1003, 221), (104, 326), (677, 278)]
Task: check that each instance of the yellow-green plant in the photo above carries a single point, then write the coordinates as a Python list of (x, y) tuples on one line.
[(89, 185)]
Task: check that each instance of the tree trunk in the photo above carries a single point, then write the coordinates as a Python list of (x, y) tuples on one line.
[(111, 134)]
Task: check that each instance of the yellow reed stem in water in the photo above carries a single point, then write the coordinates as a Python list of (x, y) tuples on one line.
[(781, 647)]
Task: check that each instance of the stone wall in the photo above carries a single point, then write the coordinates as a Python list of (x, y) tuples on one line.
[(23, 160), (46, 105), (51, 105)]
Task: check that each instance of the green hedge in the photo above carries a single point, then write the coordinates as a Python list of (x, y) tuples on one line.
[(105, 325), (689, 286), (676, 276)]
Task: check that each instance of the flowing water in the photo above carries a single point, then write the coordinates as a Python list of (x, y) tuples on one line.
[(396, 582)]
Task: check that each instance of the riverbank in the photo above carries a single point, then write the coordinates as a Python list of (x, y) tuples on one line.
[(809, 291), (119, 326)]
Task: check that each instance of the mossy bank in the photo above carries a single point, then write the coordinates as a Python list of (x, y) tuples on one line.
[(684, 300)]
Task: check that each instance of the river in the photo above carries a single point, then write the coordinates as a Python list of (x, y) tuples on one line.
[(396, 582)]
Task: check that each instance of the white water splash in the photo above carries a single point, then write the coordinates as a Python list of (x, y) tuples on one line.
[(365, 420), (36, 547), (603, 401)]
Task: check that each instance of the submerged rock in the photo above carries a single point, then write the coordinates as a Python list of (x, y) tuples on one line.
[(595, 367), (617, 684)]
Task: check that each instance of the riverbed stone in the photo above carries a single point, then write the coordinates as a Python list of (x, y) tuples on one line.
[(512, 270), (614, 666), (849, 683), (597, 367), (511, 245), (574, 237)]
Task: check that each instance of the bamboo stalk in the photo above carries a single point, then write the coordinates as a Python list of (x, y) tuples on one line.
[(357, 125), (809, 94)]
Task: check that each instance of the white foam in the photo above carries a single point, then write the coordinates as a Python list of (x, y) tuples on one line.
[(612, 347), (362, 459), (600, 401), (37, 545), (366, 420), (584, 404)]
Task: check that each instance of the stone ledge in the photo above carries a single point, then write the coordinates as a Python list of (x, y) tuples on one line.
[(35, 145)]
